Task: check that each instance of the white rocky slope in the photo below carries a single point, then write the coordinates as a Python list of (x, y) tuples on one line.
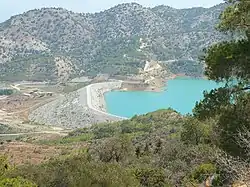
[(73, 110)]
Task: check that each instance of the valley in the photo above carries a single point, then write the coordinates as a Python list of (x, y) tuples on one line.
[(131, 96)]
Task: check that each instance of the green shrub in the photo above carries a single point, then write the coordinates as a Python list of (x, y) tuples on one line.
[(203, 171), (16, 182), (78, 171), (150, 177)]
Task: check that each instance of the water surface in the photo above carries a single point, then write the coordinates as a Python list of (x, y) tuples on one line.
[(180, 94)]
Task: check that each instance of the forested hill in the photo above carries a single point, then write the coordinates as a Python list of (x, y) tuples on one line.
[(56, 44)]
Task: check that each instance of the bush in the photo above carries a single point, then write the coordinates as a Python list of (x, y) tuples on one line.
[(5, 168), (150, 177), (196, 132), (115, 149), (78, 171), (16, 182), (202, 172)]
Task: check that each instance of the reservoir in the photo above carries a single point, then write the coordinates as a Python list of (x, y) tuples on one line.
[(179, 94)]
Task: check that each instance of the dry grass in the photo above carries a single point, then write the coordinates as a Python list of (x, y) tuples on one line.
[(20, 153)]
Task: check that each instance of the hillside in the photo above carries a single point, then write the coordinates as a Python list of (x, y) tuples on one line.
[(56, 44), (161, 149), (209, 147), (115, 154)]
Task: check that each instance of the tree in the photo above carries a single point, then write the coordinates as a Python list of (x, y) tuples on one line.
[(115, 149), (229, 61), (234, 120), (195, 132), (150, 177), (235, 170), (236, 17)]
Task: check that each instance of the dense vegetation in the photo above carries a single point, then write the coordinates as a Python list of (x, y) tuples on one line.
[(117, 41), (164, 148), (147, 150), (161, 148), (187, 67)]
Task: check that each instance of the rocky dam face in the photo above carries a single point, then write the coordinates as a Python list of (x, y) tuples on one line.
[(74, 111)]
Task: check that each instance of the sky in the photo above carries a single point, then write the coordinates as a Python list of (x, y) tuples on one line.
[(9, 8)]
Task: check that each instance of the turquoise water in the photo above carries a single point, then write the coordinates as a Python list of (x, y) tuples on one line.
[(180, 94)]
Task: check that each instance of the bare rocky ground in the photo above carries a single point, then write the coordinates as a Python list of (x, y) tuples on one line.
[(30, 116), (42, 108), (39, 106), (71, 111), (14, 109)]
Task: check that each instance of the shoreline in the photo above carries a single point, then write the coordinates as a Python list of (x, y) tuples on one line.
[(96, 92), (78, 109), (96, 99), (81, 108)]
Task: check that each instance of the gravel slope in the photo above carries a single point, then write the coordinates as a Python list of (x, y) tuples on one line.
[(73, 110)]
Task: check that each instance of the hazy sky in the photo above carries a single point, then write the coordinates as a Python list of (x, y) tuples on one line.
[(13, 7)]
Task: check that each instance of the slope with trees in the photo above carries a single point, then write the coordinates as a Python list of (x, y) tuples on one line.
[(117, 41)]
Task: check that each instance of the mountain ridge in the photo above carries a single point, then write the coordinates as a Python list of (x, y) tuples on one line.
[(106, 42), (97, 12)]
